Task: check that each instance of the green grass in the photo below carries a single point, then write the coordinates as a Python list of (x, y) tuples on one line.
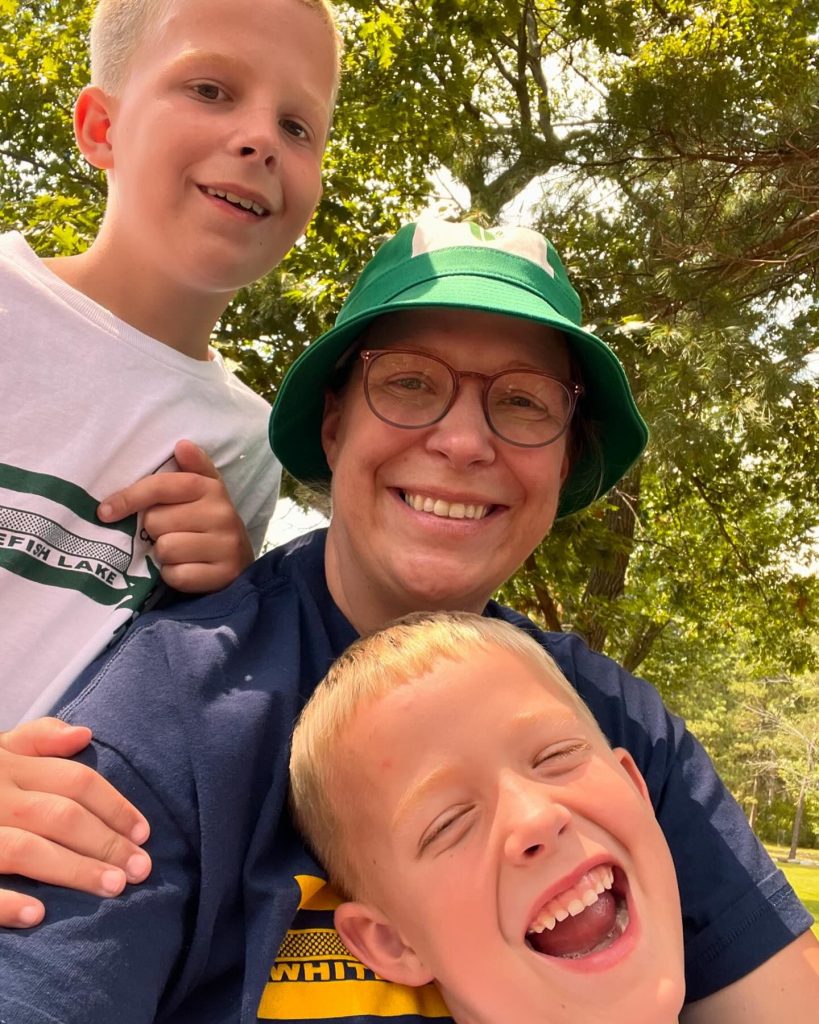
[(804, 879), (802, 853)]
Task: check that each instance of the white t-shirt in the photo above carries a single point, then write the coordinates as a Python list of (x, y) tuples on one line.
[(89, 405)]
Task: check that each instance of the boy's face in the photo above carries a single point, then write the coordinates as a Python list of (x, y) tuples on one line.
[(224, 97), (481, 806)]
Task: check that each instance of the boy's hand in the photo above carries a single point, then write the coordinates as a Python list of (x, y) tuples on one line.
[(199, 538), (61, 822)]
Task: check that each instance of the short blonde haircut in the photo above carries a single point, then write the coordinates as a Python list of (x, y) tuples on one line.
[(372, 667), (119, 26)]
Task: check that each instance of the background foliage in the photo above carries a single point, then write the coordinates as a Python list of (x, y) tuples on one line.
[(670, 149)]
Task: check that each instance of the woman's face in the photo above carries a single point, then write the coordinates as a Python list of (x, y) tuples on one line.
[(386, 554)]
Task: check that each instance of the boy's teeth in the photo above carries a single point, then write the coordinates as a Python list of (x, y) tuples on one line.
[(246, 204), (574, 901), (445, 509)]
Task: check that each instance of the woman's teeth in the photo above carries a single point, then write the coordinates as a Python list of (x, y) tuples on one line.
[(574, 900), (445, 509)]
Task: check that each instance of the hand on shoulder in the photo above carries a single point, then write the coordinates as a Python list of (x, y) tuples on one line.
[(60, 822)]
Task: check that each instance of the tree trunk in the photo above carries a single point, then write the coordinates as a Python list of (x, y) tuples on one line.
[(797, 819), (608, 582), (642, 643), (754, 804), (548, 609)]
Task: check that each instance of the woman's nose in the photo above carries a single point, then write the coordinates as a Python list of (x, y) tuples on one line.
[(463, 435)]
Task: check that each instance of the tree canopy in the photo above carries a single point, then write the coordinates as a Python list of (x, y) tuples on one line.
[(670, 150)]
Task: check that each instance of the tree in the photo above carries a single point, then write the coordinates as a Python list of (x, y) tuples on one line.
[(791, 754)]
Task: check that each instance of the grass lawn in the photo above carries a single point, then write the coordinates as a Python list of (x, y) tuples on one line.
[(804, 879)]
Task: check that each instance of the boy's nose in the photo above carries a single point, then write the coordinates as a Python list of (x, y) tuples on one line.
[(258, 139), (534, 821)]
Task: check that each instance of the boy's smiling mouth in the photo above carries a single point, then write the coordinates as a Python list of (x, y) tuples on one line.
[(240, 202), (588, 917)]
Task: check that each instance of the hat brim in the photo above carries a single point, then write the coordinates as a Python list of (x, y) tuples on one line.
[(607, 402)]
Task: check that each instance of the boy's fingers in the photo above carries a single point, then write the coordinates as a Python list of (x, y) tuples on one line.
[(19, 911), (66, 824), (47, 862), (46, 736), (210, 514), (192, 459), (159, 489), (79, 784), (197, 577)]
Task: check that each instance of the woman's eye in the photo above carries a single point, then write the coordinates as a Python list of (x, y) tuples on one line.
[(523, 401), (410, 383), (208, 91)]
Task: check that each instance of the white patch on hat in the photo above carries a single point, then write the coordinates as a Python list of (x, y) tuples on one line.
[(432, 234)]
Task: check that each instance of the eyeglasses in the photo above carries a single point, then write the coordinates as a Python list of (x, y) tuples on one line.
[(413, 389)]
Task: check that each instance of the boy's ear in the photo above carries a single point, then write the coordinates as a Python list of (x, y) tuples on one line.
[(368, 934), (633, 772), (92, 124), (329, 426)]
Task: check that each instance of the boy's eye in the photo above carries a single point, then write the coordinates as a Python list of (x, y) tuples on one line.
[(294, 128), (561, 757), (208, 91), (450, 826)]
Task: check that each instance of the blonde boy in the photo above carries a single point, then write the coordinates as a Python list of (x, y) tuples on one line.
[(209, 119), (461, 794)]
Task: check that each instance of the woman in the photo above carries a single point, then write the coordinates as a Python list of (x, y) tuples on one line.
[(440, 406)]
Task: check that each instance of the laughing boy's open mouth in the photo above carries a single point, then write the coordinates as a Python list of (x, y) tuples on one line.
[(587, 918)]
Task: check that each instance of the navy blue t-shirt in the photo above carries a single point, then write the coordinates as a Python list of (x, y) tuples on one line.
[(191, 716)]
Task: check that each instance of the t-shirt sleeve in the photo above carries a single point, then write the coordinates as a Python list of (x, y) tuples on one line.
[(97, 961), (738, 908)]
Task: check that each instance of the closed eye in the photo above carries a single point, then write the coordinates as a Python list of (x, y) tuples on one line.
[(562, 757), (450, 827)]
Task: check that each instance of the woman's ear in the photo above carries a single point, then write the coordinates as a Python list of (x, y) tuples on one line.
[(330, 422), (92, 126), (633, 772), (368, 934)]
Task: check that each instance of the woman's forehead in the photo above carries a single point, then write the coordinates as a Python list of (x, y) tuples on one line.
[(467, 337)]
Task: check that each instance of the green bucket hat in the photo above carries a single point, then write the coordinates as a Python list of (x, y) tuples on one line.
[(511, 271)]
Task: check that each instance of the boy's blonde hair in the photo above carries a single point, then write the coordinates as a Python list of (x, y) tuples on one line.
[(372, 667), (119, 26)]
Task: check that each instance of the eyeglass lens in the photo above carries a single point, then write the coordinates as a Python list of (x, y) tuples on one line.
[(410, 389)]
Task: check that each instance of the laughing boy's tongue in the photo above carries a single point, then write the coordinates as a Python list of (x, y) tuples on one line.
[(578, 934)]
